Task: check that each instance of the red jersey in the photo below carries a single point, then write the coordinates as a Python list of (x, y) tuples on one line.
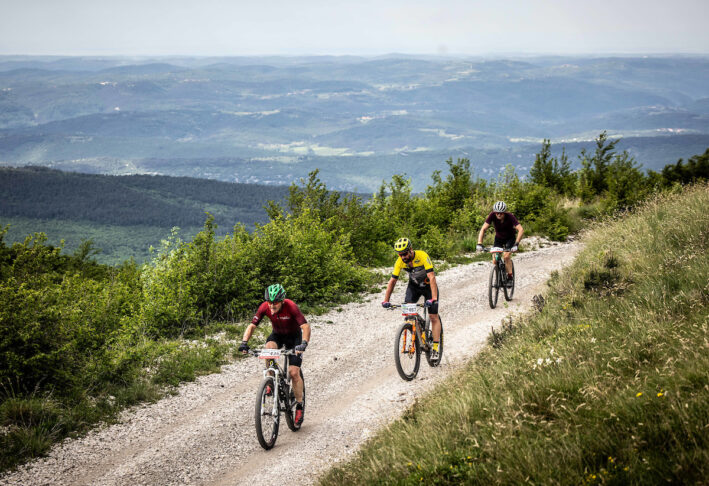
[(286, 321)]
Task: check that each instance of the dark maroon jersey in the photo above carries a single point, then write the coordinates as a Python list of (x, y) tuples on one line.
[(504, 229), (286, 321)]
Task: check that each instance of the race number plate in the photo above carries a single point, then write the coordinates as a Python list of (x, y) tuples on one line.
[(408, 309), (496, 249), (269, 354)]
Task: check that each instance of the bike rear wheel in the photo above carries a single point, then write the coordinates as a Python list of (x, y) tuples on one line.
[(290, 411), (267, 414), (494, 287), (509, 291), (407, 352), (434, 362)]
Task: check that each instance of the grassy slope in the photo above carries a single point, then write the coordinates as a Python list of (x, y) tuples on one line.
[(609, 383)]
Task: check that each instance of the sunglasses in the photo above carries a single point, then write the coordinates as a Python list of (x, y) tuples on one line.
[(406, 256)]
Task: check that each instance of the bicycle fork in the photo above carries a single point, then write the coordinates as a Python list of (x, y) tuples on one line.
[(274, 373), (405, 344), (415, 334)]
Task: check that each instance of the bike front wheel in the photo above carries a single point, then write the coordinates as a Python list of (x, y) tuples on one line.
[(435, 362), (267, 413), (510, 287), (494, 287), (290, 412), (407, 352)]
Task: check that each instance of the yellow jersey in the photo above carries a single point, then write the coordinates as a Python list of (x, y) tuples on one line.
[(418, 268)]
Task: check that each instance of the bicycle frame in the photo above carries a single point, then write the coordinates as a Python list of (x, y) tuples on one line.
[(412, 316), (498, 260), (281, 377)]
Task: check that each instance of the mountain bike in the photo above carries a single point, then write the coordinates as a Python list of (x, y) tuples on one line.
[(498, 277), (280, 399), (414, 336)]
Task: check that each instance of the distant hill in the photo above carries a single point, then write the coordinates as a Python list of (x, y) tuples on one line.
[(138, 210), (270, 119)]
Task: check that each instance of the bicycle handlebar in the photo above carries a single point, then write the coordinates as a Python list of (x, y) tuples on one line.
[(397, 306), (257, 352), (490, 249)]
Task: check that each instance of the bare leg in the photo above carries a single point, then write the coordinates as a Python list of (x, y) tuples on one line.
[(508, 262), (294, 372), (435, 327)]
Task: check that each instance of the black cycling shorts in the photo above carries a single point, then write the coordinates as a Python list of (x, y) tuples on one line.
[(506, 244), (288, 341), (414, 293)]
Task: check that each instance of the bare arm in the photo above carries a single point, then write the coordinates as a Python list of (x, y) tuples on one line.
[(482, 233), (390, 289), (305, 327), (520, 232), (434, 285), (248, 332)]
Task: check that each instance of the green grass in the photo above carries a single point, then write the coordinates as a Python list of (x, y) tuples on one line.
[(607, 384)]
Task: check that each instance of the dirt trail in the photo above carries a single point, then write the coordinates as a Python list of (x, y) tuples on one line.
[(205, 433)]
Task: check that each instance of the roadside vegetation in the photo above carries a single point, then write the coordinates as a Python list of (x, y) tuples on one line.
[(79, 341), (605, 383)]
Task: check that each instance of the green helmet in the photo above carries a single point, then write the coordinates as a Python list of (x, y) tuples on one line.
[(275, 293)]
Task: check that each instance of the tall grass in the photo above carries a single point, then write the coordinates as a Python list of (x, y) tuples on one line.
[(607, 384)]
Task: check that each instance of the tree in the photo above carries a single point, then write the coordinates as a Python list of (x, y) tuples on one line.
[(697, 168), (595, 168), (549, 172), (625, 181)]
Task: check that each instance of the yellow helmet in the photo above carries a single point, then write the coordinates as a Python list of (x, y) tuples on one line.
[(402, 244)]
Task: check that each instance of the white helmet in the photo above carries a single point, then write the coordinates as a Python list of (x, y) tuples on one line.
[(499, 207)]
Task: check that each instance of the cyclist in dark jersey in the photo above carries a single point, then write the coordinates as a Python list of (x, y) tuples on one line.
[(508, 233), (290, 330), (422, 281)]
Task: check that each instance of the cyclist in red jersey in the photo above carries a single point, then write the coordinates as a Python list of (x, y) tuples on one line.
[(290, 330)]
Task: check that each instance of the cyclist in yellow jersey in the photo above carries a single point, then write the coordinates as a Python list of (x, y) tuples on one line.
[(422, 281)]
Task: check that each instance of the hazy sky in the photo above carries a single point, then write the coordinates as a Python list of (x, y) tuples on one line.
[(255, 27)]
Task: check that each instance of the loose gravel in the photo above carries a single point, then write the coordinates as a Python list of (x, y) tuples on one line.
[(204, 434)]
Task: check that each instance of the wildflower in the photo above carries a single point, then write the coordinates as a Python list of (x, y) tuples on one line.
[(660, 394), (548, 361), (593, 339), (639, 394), (540, 361)]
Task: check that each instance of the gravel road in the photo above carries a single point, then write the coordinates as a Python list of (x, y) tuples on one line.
[(205, 433)]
